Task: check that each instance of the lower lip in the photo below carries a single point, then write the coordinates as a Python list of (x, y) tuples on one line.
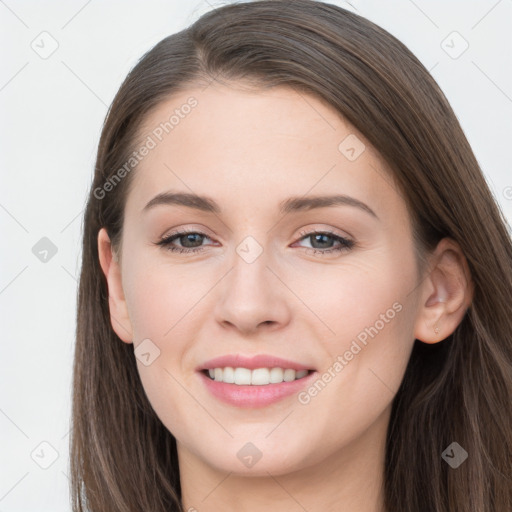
[(255, 396)]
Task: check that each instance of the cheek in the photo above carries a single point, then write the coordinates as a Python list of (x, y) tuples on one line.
[(158, 306), (156, 299), (370, 312), (364, 365), (363, 291)]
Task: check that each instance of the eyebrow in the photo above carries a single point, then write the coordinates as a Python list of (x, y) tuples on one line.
[(292, 204)]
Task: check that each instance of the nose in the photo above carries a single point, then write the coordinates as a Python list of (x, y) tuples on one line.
[(251, 297)]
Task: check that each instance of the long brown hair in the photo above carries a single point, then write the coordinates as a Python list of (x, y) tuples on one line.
[(122, 458)]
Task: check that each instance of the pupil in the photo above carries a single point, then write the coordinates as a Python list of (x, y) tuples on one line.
[(325, 236), (187, 237)]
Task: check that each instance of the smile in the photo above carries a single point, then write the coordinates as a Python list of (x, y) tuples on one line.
[(254, 381), (257, 377)]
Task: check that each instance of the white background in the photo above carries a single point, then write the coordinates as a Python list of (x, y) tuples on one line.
[(51, 115)]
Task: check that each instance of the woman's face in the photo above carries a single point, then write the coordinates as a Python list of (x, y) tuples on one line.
[(342, 304)]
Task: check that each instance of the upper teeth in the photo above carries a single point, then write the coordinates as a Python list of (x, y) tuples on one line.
[(257, 377)]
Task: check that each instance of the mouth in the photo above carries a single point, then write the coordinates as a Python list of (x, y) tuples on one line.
[(254, 381), (241, 376)]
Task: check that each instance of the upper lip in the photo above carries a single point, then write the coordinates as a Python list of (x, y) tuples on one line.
[(251, 363)]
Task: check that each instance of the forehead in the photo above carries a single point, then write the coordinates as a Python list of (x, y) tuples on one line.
[(238, 145)]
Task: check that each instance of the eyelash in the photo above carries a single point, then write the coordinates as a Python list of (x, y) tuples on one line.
[(345, 244)]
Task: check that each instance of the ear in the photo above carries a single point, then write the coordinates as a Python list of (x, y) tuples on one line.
[(119, 317), (446, 294)]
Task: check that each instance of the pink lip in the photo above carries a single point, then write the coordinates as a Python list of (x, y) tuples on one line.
[(255, 396), (259, 361)]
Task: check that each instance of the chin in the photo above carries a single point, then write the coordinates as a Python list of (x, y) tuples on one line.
[(257, 458)]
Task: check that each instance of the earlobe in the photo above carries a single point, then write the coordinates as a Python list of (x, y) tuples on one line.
[(446, 293), (119, 317)]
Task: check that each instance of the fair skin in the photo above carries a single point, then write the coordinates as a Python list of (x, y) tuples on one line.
[(249, 151)]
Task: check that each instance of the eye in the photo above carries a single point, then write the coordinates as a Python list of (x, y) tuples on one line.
[(188, 237), (321, 238), (191, 241)]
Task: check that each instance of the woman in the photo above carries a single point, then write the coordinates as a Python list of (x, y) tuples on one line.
[(226, 358)]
